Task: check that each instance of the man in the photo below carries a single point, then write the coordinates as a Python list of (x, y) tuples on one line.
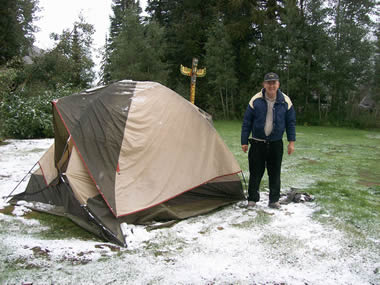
[(269, 113)]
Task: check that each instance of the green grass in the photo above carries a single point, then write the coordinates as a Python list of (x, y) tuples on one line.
[(340, 167)]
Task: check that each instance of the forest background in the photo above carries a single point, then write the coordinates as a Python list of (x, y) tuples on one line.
[(326, 52)]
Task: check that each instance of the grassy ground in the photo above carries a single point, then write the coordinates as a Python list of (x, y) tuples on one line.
[(341, 167)]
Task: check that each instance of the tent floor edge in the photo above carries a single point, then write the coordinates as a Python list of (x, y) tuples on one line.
[(100, 230)]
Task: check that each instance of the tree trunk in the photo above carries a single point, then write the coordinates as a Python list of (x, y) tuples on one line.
[(232, 104), (222, 101), (227, 107), (319, 107)]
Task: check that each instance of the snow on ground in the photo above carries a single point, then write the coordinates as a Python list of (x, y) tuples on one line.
[(232, 246)]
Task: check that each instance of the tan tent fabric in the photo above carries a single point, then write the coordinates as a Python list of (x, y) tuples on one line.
[(168, 148), (80, 182), (47, 166)]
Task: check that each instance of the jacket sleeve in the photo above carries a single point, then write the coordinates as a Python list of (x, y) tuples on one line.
[(247, 125), (291, 124)]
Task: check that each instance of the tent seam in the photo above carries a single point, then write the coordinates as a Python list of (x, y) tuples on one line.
[(81, 158)]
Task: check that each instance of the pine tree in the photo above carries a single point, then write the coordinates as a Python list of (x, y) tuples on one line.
[(306, 42), (137, 50), (350, 58), (270, 45), (105, 65), (376, 77), (16, 28), (68, 63), (220, 62), (186, 23)]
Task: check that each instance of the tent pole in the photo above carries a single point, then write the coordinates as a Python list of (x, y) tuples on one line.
[(10, 194)]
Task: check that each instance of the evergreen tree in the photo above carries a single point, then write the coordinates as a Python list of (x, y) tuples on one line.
[(220, 62), (376, 77), (350, 58), (137, 50), (304, 59), (153, 53), (186, 23), (243, 20), (16, 27), (270, 46), (317, 43), (68, 63), (119, 9), (105, 65)]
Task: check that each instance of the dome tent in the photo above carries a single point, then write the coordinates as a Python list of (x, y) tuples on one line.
[(132, 152)]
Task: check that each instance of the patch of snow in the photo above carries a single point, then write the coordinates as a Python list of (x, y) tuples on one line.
[(134, 235), (21, 211), (373, 136), (139, 99), (95, 88)]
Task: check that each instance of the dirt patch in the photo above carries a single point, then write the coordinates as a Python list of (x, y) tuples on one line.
[(368, 183), (368, 178), (7, 210), (40, 252)]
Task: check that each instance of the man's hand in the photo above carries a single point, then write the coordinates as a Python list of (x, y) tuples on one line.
[(290, 148), (244, 147)]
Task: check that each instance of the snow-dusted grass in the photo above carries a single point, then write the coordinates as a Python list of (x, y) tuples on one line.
[(334, 240)]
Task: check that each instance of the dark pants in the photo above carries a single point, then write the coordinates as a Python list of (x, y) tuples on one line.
[(263, 155)]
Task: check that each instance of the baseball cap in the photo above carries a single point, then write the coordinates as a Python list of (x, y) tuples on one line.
[(271, 76)]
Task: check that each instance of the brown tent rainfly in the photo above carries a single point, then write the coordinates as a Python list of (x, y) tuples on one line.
[(132, 152)]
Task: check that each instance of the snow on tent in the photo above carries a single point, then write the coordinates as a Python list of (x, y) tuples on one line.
[(132, 152)]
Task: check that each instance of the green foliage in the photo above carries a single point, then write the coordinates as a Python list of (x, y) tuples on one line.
[(68, 63), (135, 49), (26, 90), (16, 28), (26, 117), (70, 60), (23, 116), (221, 69), (350, 61), (7, 80), (289, 37)]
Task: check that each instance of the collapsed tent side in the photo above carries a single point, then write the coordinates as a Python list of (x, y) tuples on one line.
[(61, 185), (96, 122), (54, 195)]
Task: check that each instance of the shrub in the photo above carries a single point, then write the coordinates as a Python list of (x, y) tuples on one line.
[(25, 117)]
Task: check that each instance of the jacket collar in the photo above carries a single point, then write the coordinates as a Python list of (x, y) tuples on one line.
[(279, 95)]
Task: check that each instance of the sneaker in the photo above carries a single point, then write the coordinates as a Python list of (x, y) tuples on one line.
[(251, 204), (274, 205)]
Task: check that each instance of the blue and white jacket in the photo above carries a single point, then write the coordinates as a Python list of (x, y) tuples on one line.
[(284, 118)]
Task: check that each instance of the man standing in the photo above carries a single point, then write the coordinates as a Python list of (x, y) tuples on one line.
[(269, 113)]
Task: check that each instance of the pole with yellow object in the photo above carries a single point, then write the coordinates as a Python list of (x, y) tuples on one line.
[(194, 72)]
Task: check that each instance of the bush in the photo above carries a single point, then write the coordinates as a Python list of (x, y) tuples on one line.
[(25, 117)]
